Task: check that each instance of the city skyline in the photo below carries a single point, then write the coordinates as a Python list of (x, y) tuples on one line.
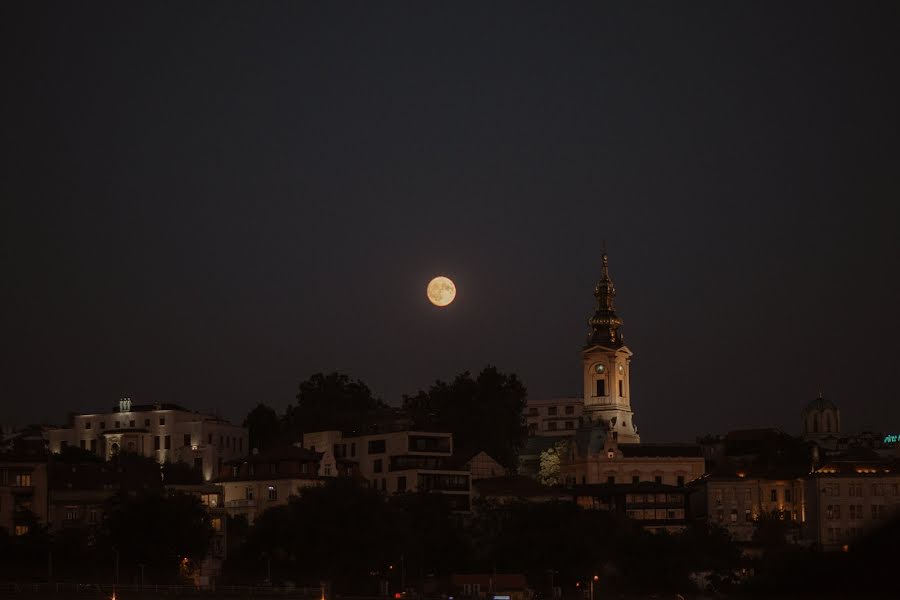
[(207, 210)]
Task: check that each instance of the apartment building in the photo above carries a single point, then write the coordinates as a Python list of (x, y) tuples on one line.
[(269, 478), (23, 491), (735, 500), (554, 416), (848, 495), (654, 506), (165, 432), (396, 461)]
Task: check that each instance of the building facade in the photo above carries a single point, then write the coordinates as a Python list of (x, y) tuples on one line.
[(554, 417), (736, 500), (266, 479), (23, 491), (164, 432), (397, 461), (654, 506), (849, 494), (595, 456)]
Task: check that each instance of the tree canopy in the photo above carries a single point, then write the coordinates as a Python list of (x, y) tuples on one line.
[(328, 401), (483, 413)]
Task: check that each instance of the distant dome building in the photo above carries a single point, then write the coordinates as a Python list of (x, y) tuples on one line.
[(821, 420)]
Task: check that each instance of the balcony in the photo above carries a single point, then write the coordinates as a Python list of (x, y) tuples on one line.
[(600, 401), (242, 503)]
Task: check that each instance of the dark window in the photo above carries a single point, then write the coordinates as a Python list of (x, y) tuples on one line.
[(352, 449), (401, 483), (681, 480), (601, 387), (118, 424), (131, 423), (621, 388), (569, 425), (610, 479), (376, 446), (273, 493), (87, 424), (551, 411), (532, 412), (83, 444), (187, 439), (377, 465), (241, 444), (774, 496), (156, 442), (635, 479), (146, 422), (162, 420), (787, 495), (168, 442), (657, 478), (198, 464), (102, 424), (93, 445), (551, 426), (384, 485), (570, 410), (210, 438)]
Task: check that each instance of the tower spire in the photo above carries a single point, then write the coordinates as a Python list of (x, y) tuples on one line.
[(605, 323)]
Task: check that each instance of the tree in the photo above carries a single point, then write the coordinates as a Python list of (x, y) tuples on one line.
[(771, 530), (550, 462), (328, 402), (341, 532), (155, 529), (264, 426), (484, 413)]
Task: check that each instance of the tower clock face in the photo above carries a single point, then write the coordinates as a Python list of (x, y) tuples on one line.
[(599, 368)]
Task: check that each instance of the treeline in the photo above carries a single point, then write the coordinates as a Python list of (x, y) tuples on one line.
[(483, 412), (354, 537), (164, 534)]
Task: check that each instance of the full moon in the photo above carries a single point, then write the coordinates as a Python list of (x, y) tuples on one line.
[(441, 291)]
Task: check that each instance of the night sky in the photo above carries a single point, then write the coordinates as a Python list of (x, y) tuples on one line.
[(205, 203)]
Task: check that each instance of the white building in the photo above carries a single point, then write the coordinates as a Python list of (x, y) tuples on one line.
[(396, 461), (554, 417), (165, 432)]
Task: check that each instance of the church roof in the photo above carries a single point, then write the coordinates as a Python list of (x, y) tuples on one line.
[(820, 403), (605, 323)]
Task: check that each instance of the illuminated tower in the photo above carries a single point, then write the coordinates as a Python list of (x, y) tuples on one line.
[(607, 365)]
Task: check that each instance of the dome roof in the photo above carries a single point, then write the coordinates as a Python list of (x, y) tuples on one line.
[(819, 404)]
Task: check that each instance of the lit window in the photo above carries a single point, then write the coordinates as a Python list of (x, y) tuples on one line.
[(21, 529)]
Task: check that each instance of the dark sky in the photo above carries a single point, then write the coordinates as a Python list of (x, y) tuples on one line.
[(205, 203)]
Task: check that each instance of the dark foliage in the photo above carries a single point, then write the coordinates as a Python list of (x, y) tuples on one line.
[(484, 413), (264, 426), (154, 529)]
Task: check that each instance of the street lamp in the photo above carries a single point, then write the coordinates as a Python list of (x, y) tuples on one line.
[(595, 578)]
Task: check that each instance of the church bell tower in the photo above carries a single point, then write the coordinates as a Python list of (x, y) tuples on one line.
[(607, 365)]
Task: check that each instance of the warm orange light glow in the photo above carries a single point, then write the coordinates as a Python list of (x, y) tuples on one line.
[(441, 291)]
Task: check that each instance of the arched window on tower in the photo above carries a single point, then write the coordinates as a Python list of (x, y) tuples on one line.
[(816, 424), (828, 423)]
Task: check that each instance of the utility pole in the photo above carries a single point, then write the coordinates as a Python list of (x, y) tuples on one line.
[(402, 574)]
